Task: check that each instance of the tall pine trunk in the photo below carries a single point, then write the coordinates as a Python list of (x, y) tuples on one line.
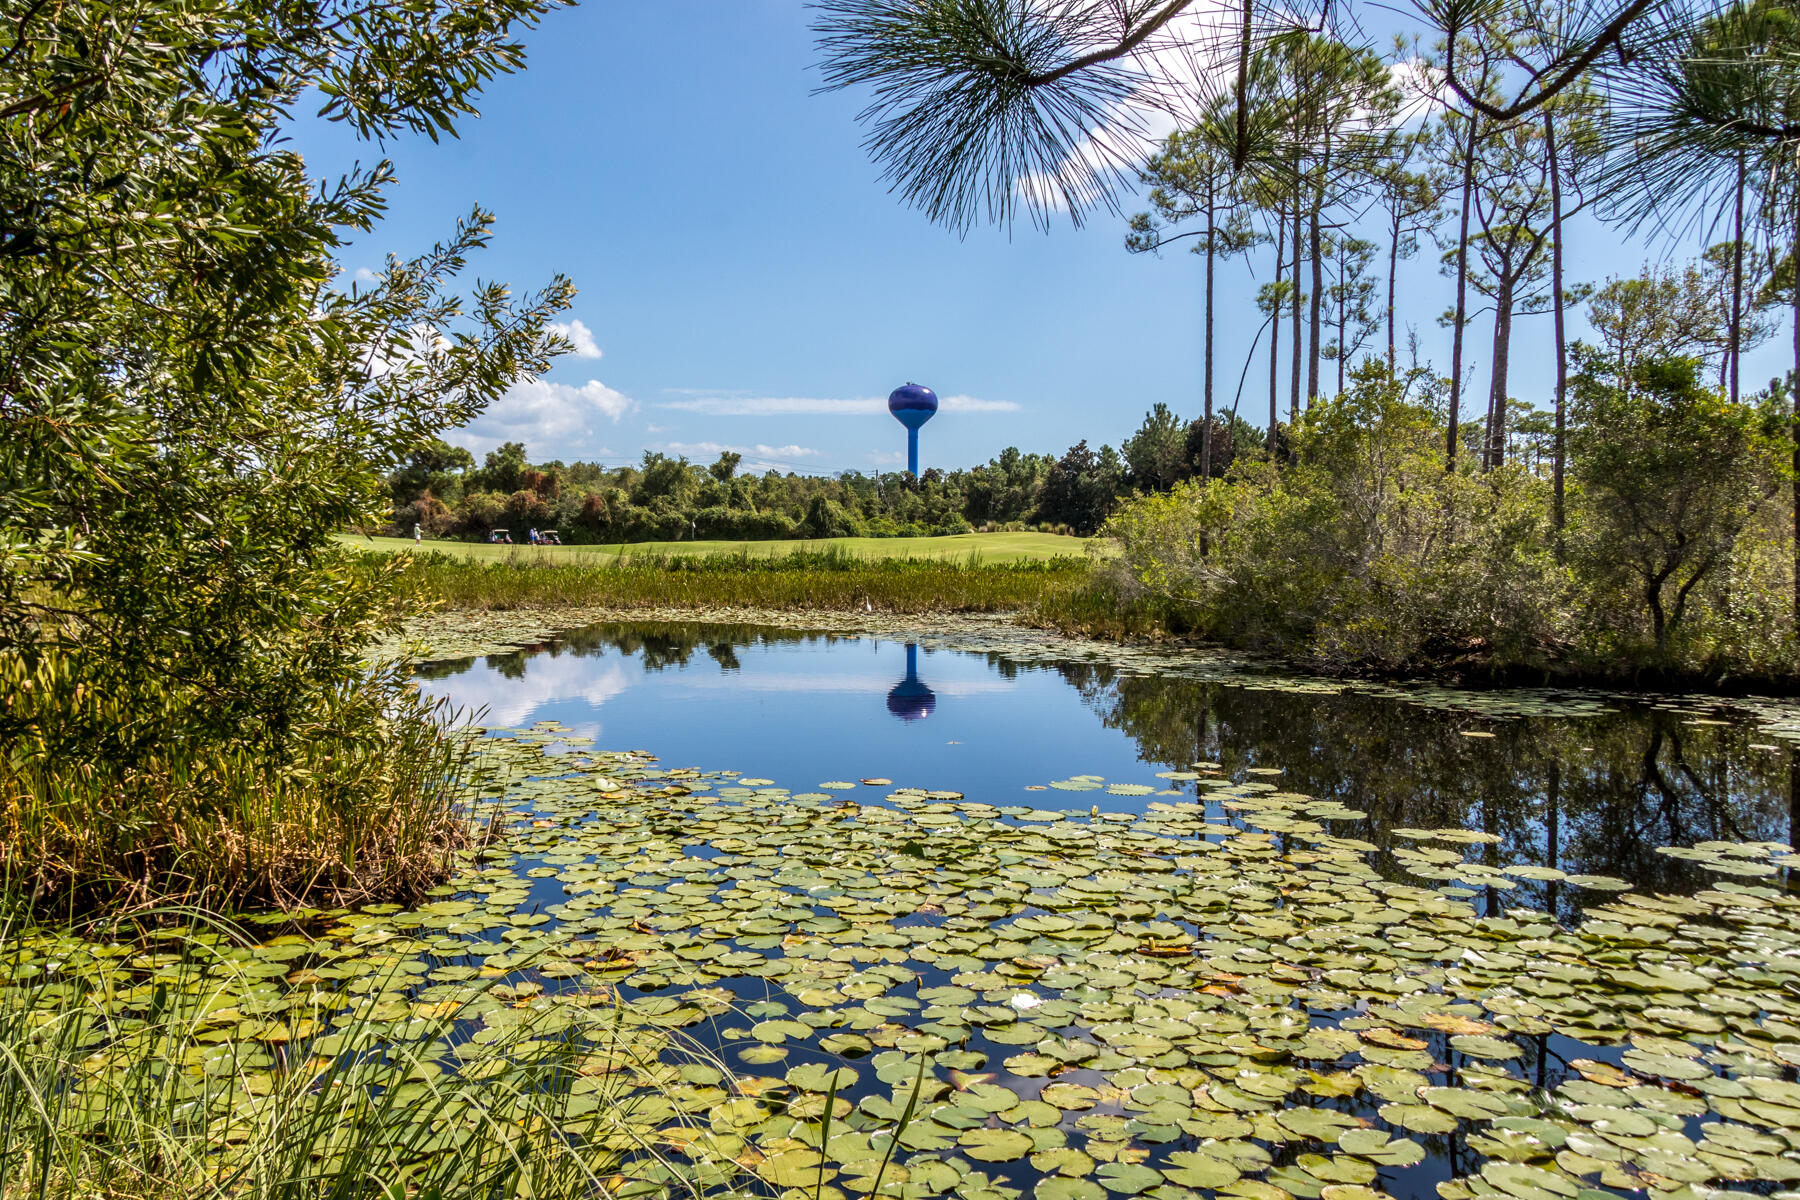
[(1462, 296), (1735, 335), (1342, 320), (1393, 267), (1275, 324), (1294, 303), (1794, 382), (1496, 434), (1562, 353), (1206, 430), (1318, 276), (1240, 149)]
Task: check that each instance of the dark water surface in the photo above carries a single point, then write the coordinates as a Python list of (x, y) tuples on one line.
[(1590, 783)]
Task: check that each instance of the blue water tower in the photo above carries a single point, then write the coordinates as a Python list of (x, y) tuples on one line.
[(912, 406)]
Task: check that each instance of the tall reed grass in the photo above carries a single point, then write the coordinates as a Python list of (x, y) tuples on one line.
[(1080, 596), (127, 1085), (361, 796), (831, 579)]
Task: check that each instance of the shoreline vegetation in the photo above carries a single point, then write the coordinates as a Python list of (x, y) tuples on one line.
[(361, 798), (829, 580), (1112, 592)]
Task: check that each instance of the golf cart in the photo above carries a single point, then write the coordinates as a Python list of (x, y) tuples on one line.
[(499, 537), (548, 537)]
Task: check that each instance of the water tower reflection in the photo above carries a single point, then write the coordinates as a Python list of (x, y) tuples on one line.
[(911, 700)]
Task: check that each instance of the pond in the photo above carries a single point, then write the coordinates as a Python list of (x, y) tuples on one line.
[(1353, 991), (1593, 784), (996, 915)]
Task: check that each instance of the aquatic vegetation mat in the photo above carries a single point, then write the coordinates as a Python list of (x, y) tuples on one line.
[(919, 994)]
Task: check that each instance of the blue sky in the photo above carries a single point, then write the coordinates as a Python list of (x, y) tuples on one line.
[(746, 280)]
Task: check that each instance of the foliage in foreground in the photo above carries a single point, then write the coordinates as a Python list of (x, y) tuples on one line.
[(173, 1067), (1364, 553), (190, 408)]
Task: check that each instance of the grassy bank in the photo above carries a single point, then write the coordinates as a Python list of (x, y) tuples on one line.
[(832, 580), (962, 547), (1065, 593), (359, 797)]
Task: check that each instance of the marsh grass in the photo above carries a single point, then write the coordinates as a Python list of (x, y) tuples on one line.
[(132, 1089), (360, 798), (1083, 596), (829, 580), (1101, 605)]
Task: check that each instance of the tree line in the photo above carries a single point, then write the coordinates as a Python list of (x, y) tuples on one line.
[(664, 497)]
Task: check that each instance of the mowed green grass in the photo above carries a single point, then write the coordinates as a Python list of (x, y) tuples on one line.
[(984, 547)]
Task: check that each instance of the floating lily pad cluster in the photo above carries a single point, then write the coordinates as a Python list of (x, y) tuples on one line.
[(855, 986)]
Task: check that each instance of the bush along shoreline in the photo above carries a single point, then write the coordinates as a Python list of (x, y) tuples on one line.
[(1361, 554), (358, 794)]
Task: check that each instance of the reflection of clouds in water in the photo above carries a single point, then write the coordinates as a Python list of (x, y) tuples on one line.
[(859, 684), (547, 680)]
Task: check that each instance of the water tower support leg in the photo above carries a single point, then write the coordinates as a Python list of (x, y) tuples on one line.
[(912, 452)]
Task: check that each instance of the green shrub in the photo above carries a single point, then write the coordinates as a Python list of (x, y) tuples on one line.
[(1677, 495), (1364, 553), (194, 406)]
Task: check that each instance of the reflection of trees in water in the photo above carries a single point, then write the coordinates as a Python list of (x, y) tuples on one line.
[(659, 645), (1591, 795), (443, 670)]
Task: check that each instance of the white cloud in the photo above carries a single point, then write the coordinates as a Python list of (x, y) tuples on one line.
[(364, 275), (818, 406), (773, 406), (1421, 86), (579, 335), (788, 451), (554, 420)]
